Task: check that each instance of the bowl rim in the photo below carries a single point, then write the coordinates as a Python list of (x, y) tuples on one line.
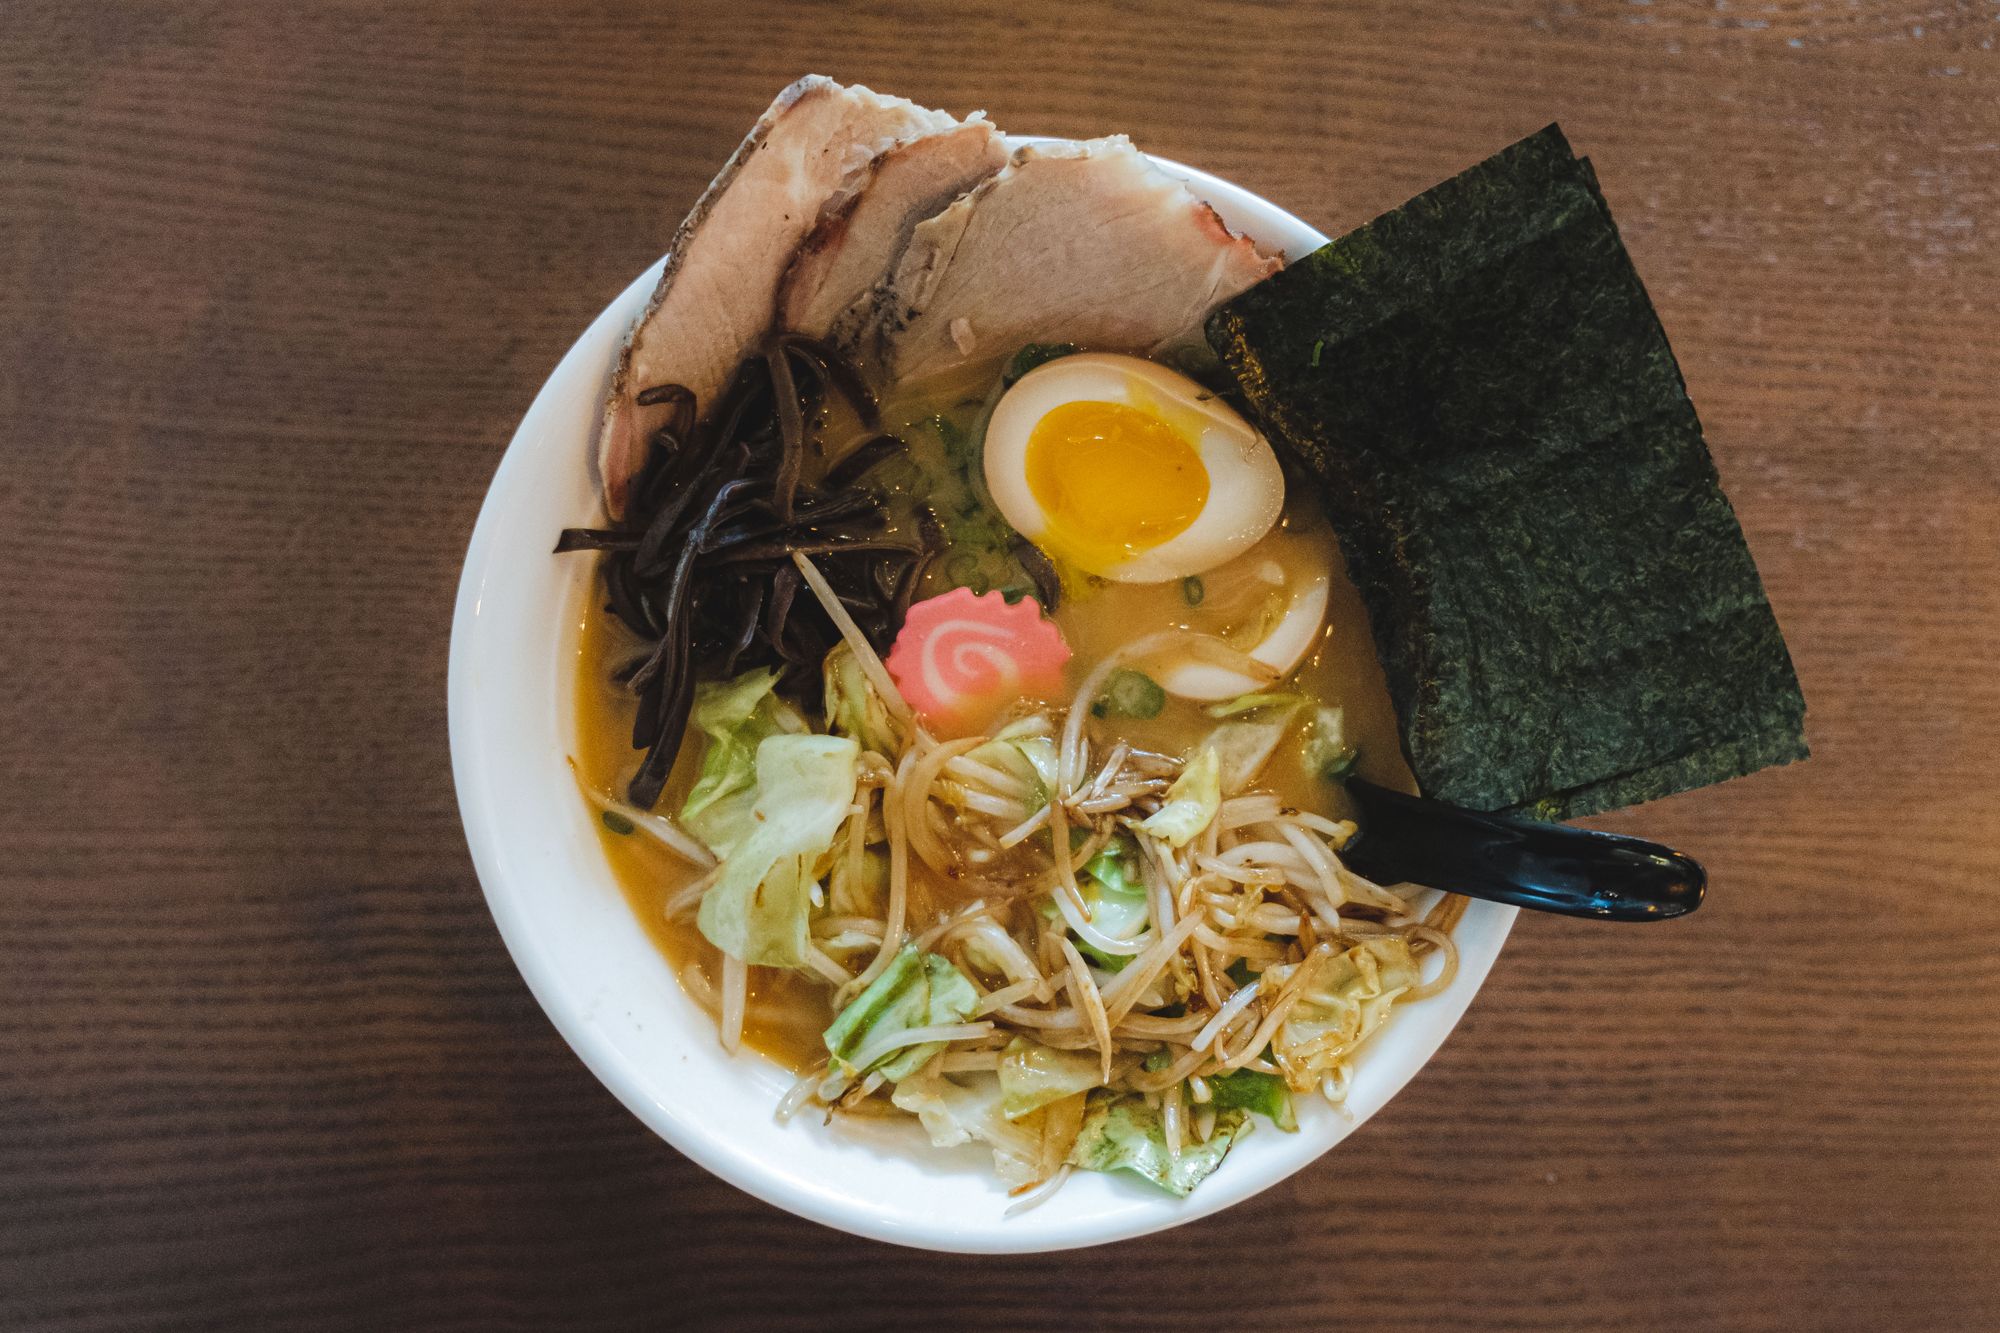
[(500, 854)]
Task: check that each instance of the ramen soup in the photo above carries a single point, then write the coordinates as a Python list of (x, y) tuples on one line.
[(966, 691), (788, 1010)]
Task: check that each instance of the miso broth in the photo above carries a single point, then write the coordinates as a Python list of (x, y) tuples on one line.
[(787, 1011)]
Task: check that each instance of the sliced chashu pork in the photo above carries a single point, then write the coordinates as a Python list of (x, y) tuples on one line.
[(1086, 243), (826, 292), (716, 297)]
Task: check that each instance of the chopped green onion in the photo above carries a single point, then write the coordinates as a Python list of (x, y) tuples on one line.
[(1318, 347), (961, 569), (1192, 590), (901, 475), (1130, 694), (1033, 355), (1155, 1062), (956, 439), (1341, 766)]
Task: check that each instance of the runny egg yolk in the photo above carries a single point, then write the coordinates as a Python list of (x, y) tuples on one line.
[(1113, 480)]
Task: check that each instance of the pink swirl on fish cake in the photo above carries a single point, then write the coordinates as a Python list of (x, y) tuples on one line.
[(959, 656)]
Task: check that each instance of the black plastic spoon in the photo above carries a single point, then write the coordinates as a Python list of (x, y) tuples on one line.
[(1544, 867)]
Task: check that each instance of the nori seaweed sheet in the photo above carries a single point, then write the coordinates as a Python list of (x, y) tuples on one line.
[(1560, 595)]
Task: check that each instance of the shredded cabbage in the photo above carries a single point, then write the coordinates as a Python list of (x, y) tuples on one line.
[(1033, 1075), (982, 955), (917, 990), (1251, 1090), (1121, 1132), (737, 716), (1024, 750), (1191, 801), (853, 707), (865, 894), (1246, 741), (1113, 892), (1347, 997), (1115, 899), (1114, 902), (757, 908), (966, 1108), (1327, 752)]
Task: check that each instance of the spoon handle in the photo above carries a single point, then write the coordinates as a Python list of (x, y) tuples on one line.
[(1544, 867)]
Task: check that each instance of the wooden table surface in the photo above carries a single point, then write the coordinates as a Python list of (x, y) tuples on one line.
[(276, 282)]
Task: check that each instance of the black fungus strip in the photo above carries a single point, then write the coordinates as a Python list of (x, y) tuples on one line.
[(886, 574), (658, 548), (680, 583), (627, 600), (664, 393), (838, 523), (753, 614), (791, 432), (837, 373), (651, 778), (931, 533), (777, 613), (874, 450), (596, 539), (668, 443), (1048, 584), (819, 507), (646, 721), (906, 589)]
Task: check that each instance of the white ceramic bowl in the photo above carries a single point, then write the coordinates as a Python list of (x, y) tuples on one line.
[(611, 994)]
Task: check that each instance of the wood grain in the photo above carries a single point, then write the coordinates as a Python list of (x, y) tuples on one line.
[(276, 283)]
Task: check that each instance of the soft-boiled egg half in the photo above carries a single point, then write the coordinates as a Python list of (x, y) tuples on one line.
[(1128, 470)]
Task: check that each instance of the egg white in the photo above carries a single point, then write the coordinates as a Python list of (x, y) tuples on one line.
[(1246, 487), (1282, 648)]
